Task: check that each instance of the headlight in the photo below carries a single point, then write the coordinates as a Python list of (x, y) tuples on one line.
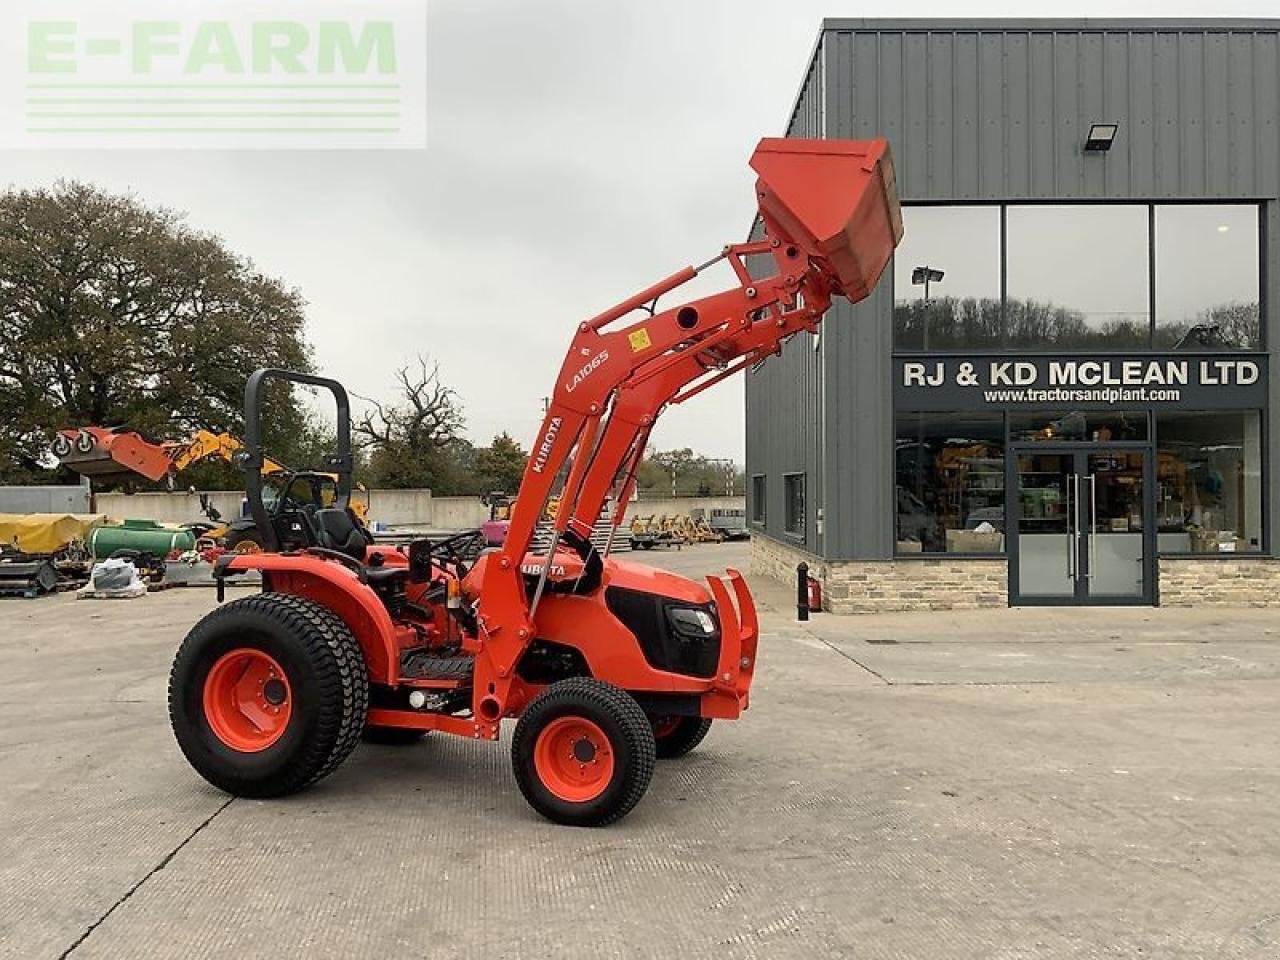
[(689, 620)]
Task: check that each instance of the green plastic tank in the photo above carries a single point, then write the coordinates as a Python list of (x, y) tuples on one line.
[(145, 536)]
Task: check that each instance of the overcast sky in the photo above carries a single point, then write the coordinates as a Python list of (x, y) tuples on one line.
[(578, 150)]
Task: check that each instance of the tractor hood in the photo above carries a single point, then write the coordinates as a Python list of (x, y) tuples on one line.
[(567, 567)]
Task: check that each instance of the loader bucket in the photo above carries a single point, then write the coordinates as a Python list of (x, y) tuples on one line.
[(110, 454), (837, 201)]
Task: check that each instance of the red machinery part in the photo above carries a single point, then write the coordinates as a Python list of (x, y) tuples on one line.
[(835, 199), (831, 215), (117, 453)]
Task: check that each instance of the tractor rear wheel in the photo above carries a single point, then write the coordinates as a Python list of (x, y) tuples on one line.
[(676, 736), (268, 694), (583, 753)]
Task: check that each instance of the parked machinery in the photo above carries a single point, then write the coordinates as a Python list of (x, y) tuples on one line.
[(604, 664), (119, 453)]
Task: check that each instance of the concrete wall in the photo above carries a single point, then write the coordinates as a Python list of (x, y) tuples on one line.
[(394, 507), (51, 499), (176, 507), (389, 506), (408, 507)]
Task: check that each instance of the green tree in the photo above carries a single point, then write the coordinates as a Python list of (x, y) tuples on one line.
[(116, 313), (684, 473), (499, 466), (674, 463)]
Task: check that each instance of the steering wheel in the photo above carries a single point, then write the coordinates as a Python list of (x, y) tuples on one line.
[(455, 547), (440, 553)]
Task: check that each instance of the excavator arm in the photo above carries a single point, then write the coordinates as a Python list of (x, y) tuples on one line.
[(831, 222)]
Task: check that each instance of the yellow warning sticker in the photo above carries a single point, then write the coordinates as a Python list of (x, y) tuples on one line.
[(639, 340)]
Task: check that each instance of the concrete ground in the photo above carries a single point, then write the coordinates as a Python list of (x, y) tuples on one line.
[(1004, 784)]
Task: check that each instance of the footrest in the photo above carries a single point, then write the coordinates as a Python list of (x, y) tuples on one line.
[(424, 664)]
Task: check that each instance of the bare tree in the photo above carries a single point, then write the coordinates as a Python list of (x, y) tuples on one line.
[(410, 441)]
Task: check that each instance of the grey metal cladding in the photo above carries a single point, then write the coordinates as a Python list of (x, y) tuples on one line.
[(984, 112), (782, 396)]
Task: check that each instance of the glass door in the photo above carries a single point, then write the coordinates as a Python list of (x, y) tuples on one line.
[(1081, 530), (1045, 527), (1114, 512)]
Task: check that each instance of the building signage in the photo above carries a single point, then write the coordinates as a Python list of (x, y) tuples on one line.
[(1193, 381)]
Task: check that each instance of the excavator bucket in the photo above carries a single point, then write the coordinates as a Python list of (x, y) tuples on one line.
[(837, 201)]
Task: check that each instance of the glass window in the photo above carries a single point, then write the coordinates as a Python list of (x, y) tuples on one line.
[(1097, 426), (757, 498), (946, 279), (950, 483), (1207, 278), (1209, 482), (1078, 277), (793, 492)]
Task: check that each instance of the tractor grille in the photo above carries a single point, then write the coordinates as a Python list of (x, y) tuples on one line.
[(668, 640)]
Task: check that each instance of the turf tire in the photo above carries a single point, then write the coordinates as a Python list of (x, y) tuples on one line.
[(687, 734), (328, 681), (630, 737)]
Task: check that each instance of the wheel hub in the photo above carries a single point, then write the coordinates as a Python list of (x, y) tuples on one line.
[(247, 700), (274, 691), (574, 759)]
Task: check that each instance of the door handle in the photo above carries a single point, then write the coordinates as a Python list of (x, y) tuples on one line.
[(1093, 518), (1072, 481)]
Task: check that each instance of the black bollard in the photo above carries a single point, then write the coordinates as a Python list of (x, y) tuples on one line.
[(802, 591)]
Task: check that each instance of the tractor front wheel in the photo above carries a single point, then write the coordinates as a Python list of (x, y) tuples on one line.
[(583, 753), (268, 694), (676, 736)]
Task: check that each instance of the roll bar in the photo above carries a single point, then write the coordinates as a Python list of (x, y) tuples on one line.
[(251, 460)]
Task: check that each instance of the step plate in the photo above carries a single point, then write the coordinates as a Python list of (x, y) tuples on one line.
[(426, 664)]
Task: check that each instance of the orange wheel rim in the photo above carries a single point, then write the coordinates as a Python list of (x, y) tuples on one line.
[(247, 700), (246, 546), (574, 759), (665, 726)]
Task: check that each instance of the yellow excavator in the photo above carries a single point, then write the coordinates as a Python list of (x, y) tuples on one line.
[(119, 453)]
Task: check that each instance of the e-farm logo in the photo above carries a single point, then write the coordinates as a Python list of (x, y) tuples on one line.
[(220, 74)]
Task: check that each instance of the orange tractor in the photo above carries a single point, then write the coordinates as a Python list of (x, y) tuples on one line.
[(604, 664)]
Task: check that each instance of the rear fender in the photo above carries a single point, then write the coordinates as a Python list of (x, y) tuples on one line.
[(336, 587)]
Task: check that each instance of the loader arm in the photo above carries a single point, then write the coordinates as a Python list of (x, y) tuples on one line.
[(831, 219), (205, 445)]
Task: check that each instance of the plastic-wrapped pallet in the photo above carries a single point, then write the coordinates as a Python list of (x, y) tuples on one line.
[(115, 579)]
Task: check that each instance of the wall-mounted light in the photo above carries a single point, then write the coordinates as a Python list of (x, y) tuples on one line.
[(1101, 136)]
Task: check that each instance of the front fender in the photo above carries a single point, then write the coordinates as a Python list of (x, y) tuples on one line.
[(336, 587)]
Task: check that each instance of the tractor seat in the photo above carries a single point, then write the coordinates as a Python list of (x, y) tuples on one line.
[(335, 529)]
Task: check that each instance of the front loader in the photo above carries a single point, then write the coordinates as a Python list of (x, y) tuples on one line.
[(605, 665)]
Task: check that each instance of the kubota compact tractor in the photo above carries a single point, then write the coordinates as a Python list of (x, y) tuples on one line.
[(604, 664)]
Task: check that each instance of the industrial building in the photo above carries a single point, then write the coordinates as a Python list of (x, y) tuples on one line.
[(1061, 394)]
